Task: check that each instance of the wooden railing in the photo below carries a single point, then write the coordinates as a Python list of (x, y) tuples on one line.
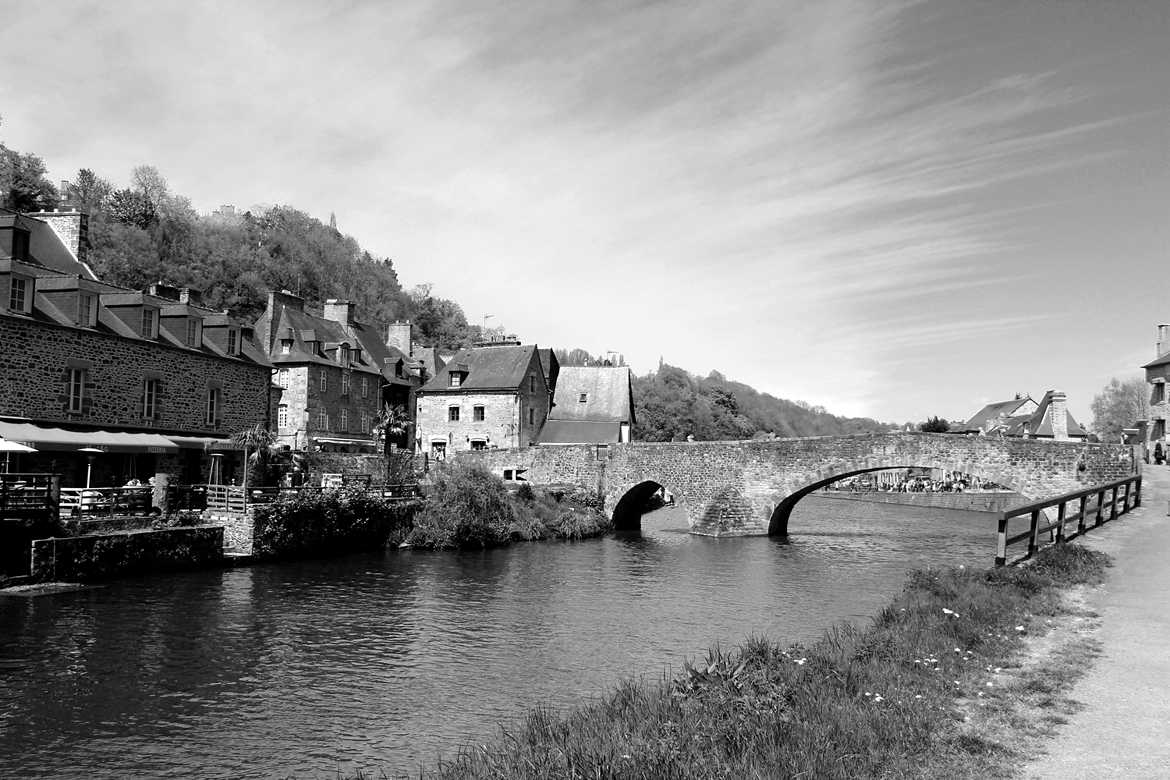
[(108, 501), (231, 498), (28, 495), (1087, 503)]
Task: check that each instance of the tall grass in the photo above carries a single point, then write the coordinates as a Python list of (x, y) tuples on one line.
[(876, 702)]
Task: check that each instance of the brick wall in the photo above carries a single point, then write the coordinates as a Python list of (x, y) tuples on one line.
[(37, 355), (741, 488)]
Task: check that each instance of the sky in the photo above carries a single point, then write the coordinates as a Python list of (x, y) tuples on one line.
[(890, 209)]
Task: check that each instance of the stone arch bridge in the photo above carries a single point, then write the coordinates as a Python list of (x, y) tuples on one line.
[(742, 488)]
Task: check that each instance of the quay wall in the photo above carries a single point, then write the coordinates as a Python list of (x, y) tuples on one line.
[(118, 554)]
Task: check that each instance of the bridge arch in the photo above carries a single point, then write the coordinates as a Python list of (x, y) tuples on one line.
[(778, 521), (628, 512)]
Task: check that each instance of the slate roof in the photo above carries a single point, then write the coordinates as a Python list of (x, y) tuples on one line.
[(1159, 361), (551, 367), (580, 432), (993, 411), (1040, 423), (305, 328), (488, 368), (45, 246), (608, 394)]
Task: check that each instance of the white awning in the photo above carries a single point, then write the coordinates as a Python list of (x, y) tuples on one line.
[(45, 438)]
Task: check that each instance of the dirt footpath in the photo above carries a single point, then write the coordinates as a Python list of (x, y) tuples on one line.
[(1124, 729)]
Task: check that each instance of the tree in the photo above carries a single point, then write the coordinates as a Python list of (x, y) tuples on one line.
[(257, 442), (1119, 405), (935, 424), (132, 208), (392, 426), (23, 184), (90, 192)]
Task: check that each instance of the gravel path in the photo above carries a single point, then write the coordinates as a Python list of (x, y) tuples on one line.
[(1124, 730)]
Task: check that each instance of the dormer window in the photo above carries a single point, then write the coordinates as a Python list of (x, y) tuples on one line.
[(20, 295), (149, 323), (343, 355), (583, 398), (233, 341), (194, 332), (86, 310), (456, 379), (286, 346)]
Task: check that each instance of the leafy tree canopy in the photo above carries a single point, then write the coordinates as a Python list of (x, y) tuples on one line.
[(935, 424), (1119, 405)]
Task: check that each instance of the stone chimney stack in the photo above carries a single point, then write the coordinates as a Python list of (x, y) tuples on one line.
[(341, 312), (1058, 413), (400, 335), (71, 226), (1163, 344)]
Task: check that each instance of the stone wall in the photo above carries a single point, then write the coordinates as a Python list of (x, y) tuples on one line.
[(106, 556), (34, 367), (347, 463), (967, 502), (584, 465), (750, 487)]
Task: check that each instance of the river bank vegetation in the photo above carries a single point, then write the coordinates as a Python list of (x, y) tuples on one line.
[(947, 681), (469, 507)]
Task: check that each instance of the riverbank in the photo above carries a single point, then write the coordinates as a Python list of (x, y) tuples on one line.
[(996, 502), (931, 689)]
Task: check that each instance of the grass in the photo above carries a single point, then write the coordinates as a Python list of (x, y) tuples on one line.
[(928, 690)]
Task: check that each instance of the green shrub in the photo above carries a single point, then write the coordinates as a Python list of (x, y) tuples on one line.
[(466, 506), (334, 521)]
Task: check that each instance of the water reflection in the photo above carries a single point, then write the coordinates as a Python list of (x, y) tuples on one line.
[(386, 660)]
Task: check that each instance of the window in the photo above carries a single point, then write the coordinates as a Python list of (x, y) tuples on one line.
[(18, 297), (343, 421), (282, 416), (234, 342), (478, 444), (285, 344), (532, 384), (150, 399), (323, 420), (324, 380), (583, 398), (531, 416), (439, 450), (149, 323), (282, 378), (456, 379), (213, 402), (1159, 394), (343, 355), (345, 383), (194, 332), (364, 421), (452, 414), (86, 311), (76, 389), (365, 387), (477, 413), (20, 244)]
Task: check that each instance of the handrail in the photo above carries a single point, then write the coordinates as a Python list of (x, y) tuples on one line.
[(1131, 499)]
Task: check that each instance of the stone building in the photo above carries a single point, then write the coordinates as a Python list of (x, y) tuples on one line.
[(151, 379), (591, 405), (485, 397), (337, 373), (1025, 418), (1158, 374)]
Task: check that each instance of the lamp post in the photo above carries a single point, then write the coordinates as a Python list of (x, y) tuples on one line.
[(90, 453), (483, 330)]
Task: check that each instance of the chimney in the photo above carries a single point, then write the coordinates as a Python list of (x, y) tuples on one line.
[(341, 312), (1163, 345), (400, 335), (1058, 413), (286, 299), (161, 290), (193, 297), (71, 226)]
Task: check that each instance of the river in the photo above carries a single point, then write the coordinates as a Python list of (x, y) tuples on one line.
[(386, 661)]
